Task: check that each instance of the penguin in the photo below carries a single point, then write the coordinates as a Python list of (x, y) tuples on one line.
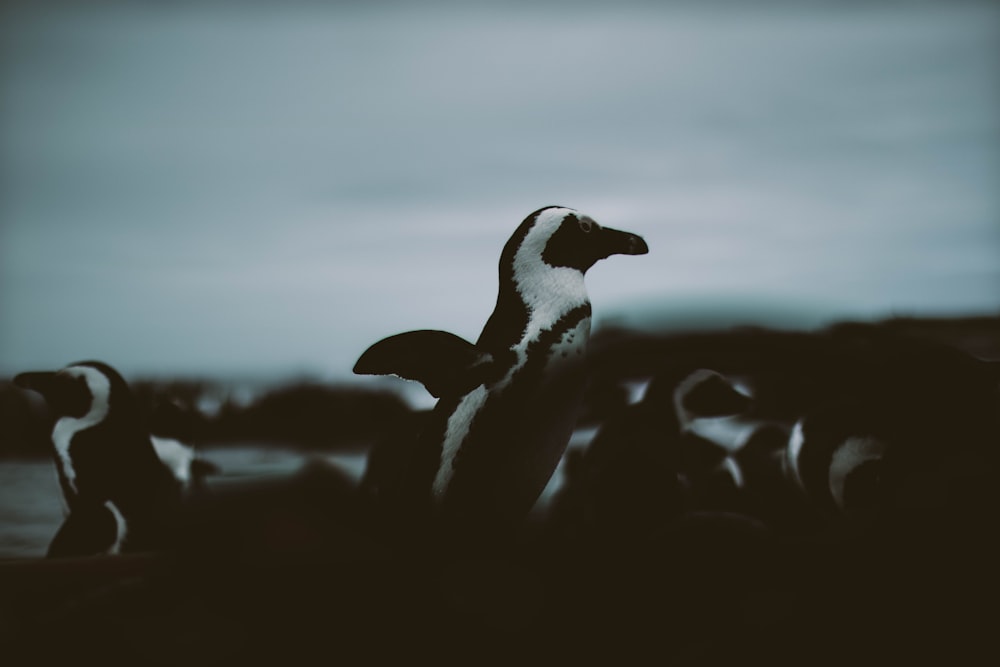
[(713, 476), (173, 428), (118, 495), (508, 403), (767, 492), (636, 473), (184, 463), (912, 437)]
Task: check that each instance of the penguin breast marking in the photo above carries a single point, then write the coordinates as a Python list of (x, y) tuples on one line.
[(459, 425), (572, 343), (567, 349)]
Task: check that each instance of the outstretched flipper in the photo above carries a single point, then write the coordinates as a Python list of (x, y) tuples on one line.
[(444, 363), (89, 529)]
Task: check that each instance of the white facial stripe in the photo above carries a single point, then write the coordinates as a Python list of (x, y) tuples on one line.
[(549, 292), (458, 428), (847, 457), (67, 427)]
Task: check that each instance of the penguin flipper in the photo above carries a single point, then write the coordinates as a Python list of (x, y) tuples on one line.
[(444, 363), (88, 530)]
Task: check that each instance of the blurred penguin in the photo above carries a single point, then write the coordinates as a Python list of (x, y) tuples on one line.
[(627, 482), (119, 495)]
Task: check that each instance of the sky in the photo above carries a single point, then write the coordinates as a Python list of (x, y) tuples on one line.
[(209, 189)]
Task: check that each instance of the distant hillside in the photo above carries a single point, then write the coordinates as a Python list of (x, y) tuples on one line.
[(301, 414), (797, 368), (797, 363)]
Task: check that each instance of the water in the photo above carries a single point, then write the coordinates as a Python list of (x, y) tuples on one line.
[(30, 500), (30, 508)]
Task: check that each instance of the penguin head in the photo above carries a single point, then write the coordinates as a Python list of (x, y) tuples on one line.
[(559, 237), (77, 389), (690, 395), (555, 242), (706, 393), (67, 395), (854, 473)]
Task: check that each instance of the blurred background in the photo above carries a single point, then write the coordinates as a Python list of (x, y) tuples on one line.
[(252, 193)]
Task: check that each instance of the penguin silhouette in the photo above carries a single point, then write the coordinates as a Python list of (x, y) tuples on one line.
[(119, 495), (628, 482), (508, 403)]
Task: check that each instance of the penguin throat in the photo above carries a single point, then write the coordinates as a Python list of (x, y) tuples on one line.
[(67, 427), (547, 292)]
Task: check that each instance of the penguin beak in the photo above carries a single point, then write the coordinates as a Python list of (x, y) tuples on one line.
[(36, 381), (616, 242), (65, 395)]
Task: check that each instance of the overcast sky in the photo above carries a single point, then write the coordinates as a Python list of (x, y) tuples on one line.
[(191, 190)]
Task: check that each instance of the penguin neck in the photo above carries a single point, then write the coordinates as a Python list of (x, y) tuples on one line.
[(550, 297), (66, 428), (529, 303)]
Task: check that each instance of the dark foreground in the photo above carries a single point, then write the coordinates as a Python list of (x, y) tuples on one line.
[(288, 579), (287, 569)]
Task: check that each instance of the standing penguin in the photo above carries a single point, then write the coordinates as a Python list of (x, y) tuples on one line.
[(633, 478), (509, 402), (118, 494)]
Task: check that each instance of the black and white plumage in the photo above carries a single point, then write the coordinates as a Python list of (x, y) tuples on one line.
[(915, 431), (508, 403), (834, 456), (118, 494), (644, 467)]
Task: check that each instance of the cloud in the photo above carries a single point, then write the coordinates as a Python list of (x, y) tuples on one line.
[(194, 189)]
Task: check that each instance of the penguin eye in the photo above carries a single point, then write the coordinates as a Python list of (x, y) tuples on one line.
[(586, 226)]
